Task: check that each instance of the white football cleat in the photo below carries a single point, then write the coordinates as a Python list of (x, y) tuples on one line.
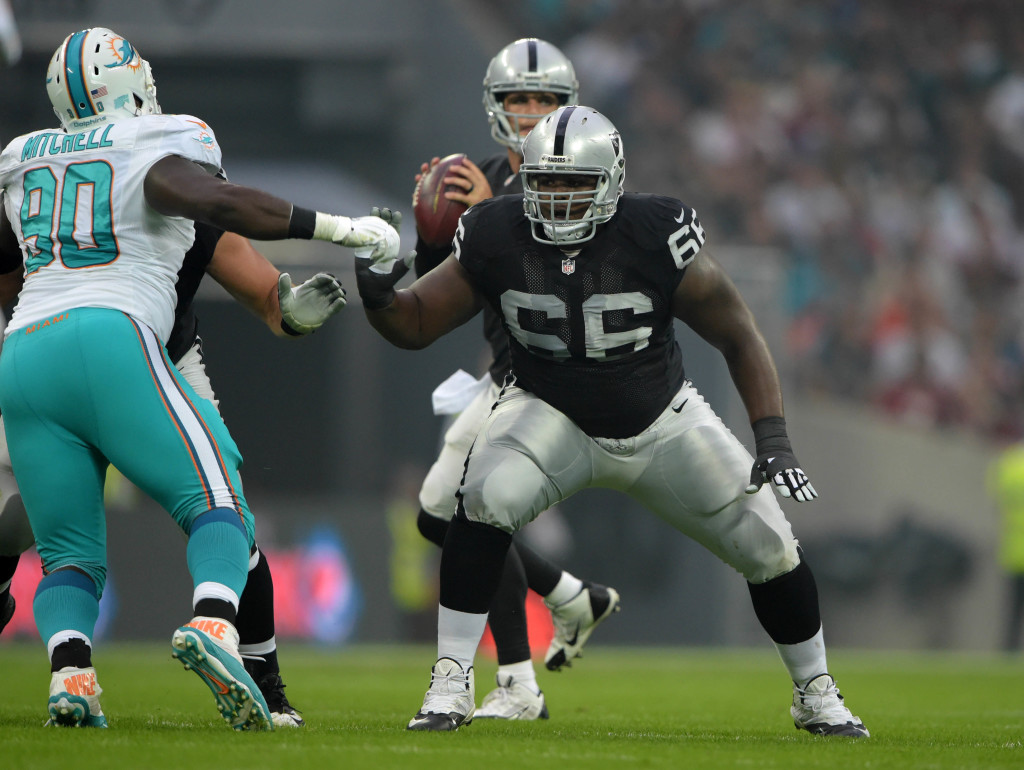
[(75, 699), (451, 700), (575, 620), (512, 700), (818, 708)]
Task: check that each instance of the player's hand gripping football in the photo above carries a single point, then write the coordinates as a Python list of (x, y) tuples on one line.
[(377, 274), (305, 308), (776, 462)]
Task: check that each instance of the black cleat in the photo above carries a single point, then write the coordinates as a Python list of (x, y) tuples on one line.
[(282, 713)]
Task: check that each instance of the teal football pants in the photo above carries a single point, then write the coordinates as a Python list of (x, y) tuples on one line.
[(91, 387)]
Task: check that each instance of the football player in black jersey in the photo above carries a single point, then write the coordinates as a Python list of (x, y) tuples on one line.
[(526, 80), (288, 311), (588, 284)]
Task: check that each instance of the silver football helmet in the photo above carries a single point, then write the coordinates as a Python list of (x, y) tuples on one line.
[(97, 75), (576, 141), (525, 65)]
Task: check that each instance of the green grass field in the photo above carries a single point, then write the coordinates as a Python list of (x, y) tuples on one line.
[(619, 707)]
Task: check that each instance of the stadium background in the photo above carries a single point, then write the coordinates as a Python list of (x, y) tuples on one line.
[(334, 104)]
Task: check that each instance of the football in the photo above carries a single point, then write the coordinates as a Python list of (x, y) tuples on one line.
[(436, 216)]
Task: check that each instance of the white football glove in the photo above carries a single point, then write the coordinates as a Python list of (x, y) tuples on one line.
[(305, 308), (359, 232), (383, 255)]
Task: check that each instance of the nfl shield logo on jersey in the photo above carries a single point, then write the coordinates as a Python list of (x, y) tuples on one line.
[(568, 265)]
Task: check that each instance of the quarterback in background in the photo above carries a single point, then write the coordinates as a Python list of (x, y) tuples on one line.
[(98, 215), (587, 285), (525, 81)]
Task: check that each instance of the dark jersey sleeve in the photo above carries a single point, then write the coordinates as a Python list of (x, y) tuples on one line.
[(193, 268), (503, 182)]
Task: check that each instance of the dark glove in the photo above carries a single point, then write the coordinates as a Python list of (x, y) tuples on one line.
[(776, 462), (376, 277)]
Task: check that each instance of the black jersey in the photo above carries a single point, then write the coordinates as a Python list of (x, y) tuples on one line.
[(193, 268), (591, 334), (503, 182)]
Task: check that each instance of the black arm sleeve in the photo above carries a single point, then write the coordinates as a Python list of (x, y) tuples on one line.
[(428, 257)]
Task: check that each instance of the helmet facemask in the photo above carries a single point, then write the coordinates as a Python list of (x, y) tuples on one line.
[(566, 216), (525, 66), (576, 142)]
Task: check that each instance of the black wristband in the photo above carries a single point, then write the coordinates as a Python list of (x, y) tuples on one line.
[(289, 330), (770, 435), (302, 224)]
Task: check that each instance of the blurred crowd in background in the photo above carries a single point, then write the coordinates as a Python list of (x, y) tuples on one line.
[(878, 145)]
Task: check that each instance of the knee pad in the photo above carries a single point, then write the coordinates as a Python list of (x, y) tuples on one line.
[(508, 491), (437, 495), (776, 557)]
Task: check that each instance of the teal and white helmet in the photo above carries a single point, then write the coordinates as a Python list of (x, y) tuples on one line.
[(96, 75), (525, 65), (572, 141)]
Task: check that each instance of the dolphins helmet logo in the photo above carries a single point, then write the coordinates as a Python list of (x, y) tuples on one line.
[(124, 53)]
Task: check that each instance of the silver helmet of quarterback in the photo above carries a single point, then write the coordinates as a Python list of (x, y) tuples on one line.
[(573, 170), (527, 65), (97, 75)]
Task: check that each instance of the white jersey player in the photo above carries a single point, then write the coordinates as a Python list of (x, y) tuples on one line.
[(81, 210), (100, 213)]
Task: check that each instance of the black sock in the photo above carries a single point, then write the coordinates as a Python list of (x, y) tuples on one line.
[(787, 606), (472, 564), (508, 608), (255, 622), (541, 574), (508, 613), (216, 608), (259, 666), (74, 652)]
